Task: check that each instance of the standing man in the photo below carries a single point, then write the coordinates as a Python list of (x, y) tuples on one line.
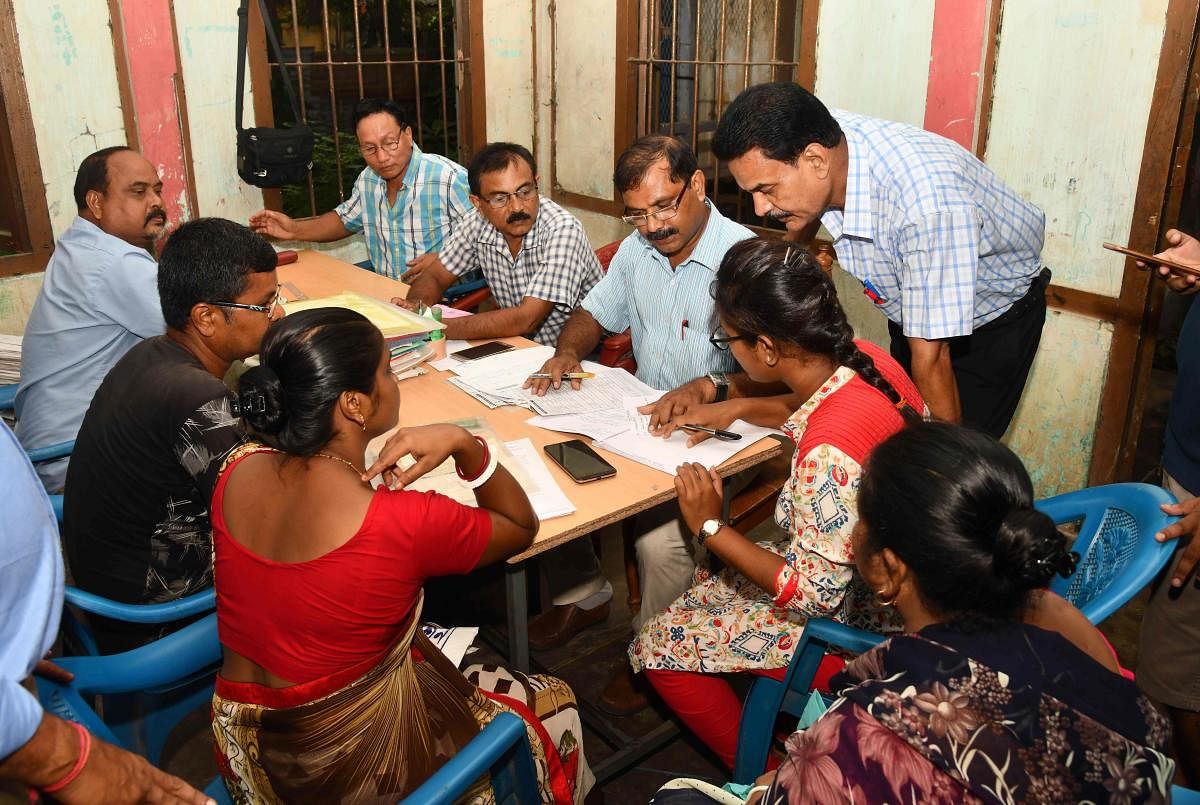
[(136, 524), (535, 254), (98, 298), (405, 202), (946, 250), (658, 286)]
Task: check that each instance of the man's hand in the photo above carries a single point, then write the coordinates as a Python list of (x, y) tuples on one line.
[(1188, 528), (114, 775), (429, 445), (400, 301), (556, 367), (417, 265), (676, 403), (48, 670), (273, 225), (1184, 249), (699, 490)]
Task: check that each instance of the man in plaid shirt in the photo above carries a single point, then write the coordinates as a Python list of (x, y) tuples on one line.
[(946, 250), (405, 202), (534, 254)]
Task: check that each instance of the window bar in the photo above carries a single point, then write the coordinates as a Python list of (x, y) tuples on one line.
[(442, 75), (741, 197), (695, 139), (312, 196), (644, 73), (674, 68), (416, 73), (720, 95), (357, 49), (333, 106), (387, 52)]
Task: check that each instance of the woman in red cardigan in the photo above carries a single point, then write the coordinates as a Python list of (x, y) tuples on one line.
[(780, 316)]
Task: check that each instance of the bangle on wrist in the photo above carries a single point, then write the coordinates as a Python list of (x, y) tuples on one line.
[(487, 454), (485, 474), (85, 749)]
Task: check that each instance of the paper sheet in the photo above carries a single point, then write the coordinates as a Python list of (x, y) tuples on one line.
[(667, 454), (454, 642), (545, 494), (594, 424)]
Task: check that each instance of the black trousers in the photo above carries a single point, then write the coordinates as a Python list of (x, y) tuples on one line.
[(992, 364)]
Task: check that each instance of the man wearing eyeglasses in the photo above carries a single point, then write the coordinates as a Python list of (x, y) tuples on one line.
[(405, 202), (136, 523), (534, 254)]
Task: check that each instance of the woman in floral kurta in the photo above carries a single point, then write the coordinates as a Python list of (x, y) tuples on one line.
[(749, 616)]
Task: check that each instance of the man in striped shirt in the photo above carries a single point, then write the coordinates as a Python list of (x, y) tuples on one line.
[(944, 248), (405, 202)]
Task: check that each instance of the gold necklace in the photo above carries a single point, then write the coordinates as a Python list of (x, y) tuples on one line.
[(344, 461)]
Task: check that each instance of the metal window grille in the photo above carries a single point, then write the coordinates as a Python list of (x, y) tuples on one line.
[(694, 56), (340, 51)]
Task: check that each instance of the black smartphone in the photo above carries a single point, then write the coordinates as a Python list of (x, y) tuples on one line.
[(481, 351), (579, 461)]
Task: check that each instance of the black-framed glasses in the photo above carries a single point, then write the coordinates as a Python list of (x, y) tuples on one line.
[(268, 308), (664, 214), (522, 193), (721, 340)]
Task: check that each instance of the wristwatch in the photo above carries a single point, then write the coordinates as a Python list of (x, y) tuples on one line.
[(709, 528), (721, 381)]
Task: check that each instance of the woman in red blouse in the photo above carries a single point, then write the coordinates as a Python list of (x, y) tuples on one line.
[(329, 690)]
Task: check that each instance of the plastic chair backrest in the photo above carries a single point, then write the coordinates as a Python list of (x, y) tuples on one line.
[(8, 396), (1119, 555), (51, 451), (768, 697), (501, 747), (1184, 796)]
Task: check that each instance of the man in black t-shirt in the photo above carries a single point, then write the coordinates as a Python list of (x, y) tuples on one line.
[(136, 525)]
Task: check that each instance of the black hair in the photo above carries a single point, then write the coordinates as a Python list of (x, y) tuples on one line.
[(307, 360), (781, 119), (774, 288), (495, 157), (956, 506), (207, 260), (93, 174), (646, 152), (373, 106)]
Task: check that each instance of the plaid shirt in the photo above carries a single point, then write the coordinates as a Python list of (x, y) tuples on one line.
[(942, 241), (427, 208), (556, 263)]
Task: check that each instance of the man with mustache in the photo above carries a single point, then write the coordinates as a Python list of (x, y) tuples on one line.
[(98, 299), (658, 286), (534, 254), (944, 248)]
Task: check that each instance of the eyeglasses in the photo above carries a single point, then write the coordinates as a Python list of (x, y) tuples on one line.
[(268, 308), (391, 146), (721, 340), (522, 193), (665, 214)]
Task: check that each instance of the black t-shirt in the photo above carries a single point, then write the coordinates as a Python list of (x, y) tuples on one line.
[(136, 525)]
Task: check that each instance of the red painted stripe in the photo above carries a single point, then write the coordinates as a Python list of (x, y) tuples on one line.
[(955, 62), (150, 50)]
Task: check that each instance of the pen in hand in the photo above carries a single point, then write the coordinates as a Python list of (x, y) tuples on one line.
[(723, 435), (565, 376)]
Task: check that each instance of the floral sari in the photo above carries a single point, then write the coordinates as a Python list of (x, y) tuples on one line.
[(373, 733), (1014, 714)]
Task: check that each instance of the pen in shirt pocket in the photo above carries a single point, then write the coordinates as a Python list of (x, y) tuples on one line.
[(683, 329), (872, 293)]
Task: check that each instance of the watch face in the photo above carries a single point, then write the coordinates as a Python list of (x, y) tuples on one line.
[(710, 527)]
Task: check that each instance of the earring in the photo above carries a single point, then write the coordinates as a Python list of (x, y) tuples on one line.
[(362, 423), (880, 601)]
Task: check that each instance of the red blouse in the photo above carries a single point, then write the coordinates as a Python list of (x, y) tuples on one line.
[(305, 620)]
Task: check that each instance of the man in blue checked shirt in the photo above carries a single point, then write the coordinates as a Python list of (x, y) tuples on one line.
[(405, 202), (946, 250)]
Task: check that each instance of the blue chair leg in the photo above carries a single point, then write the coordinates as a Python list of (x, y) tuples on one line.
[(761, 707)]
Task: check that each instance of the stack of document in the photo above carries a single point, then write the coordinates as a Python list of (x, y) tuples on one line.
[(399, 326), (10, 359)]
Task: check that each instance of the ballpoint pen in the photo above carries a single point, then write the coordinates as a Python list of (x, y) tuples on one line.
[(564, 376), (723, 435)]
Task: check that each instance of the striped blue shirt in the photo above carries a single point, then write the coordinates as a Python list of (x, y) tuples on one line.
[(427, 208), (670, 312), (945, 244)]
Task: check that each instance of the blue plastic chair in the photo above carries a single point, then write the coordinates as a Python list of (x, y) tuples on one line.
[(1119, 555), (8, 396), (176, 673), (8, 400), (1184, 796), (501, 747)]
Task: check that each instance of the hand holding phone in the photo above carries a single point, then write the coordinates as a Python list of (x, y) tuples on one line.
[(580, 461), (1152, 260)]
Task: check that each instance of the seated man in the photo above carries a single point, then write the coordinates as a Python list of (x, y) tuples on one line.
[(658, 285), (38, 749), (98, 298), (405, 202), (136, 525), (534, 253)]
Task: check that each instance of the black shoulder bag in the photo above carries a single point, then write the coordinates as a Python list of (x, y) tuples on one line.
[(269, 157)]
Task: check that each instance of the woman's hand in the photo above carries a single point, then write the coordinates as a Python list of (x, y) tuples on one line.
[(677, 402), (712, 415), (429, 445), (699, 491)]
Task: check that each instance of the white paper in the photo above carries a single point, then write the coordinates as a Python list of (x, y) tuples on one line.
[(608, 389), (448, 364), (544, 493), (594, 424), (454, 642), (667, 454)]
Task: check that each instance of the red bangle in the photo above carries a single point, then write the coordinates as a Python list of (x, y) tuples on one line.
[(85, 749), (487, 457)]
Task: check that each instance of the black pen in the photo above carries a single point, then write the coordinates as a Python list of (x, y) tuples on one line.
[(723, 435)]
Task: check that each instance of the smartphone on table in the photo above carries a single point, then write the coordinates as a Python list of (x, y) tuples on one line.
[(580, 461), (481, 351)]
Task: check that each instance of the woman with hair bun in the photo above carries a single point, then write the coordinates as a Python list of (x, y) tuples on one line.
[(330, 691), (999, 691)]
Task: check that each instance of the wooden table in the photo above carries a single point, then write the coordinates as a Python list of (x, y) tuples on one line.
[(430, 398)]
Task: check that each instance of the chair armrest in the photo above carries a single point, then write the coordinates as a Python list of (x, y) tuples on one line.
[(56, 503), (196, 604), (51, 451), (838, 634), (8, 396), (505, 732), (163, 663)]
